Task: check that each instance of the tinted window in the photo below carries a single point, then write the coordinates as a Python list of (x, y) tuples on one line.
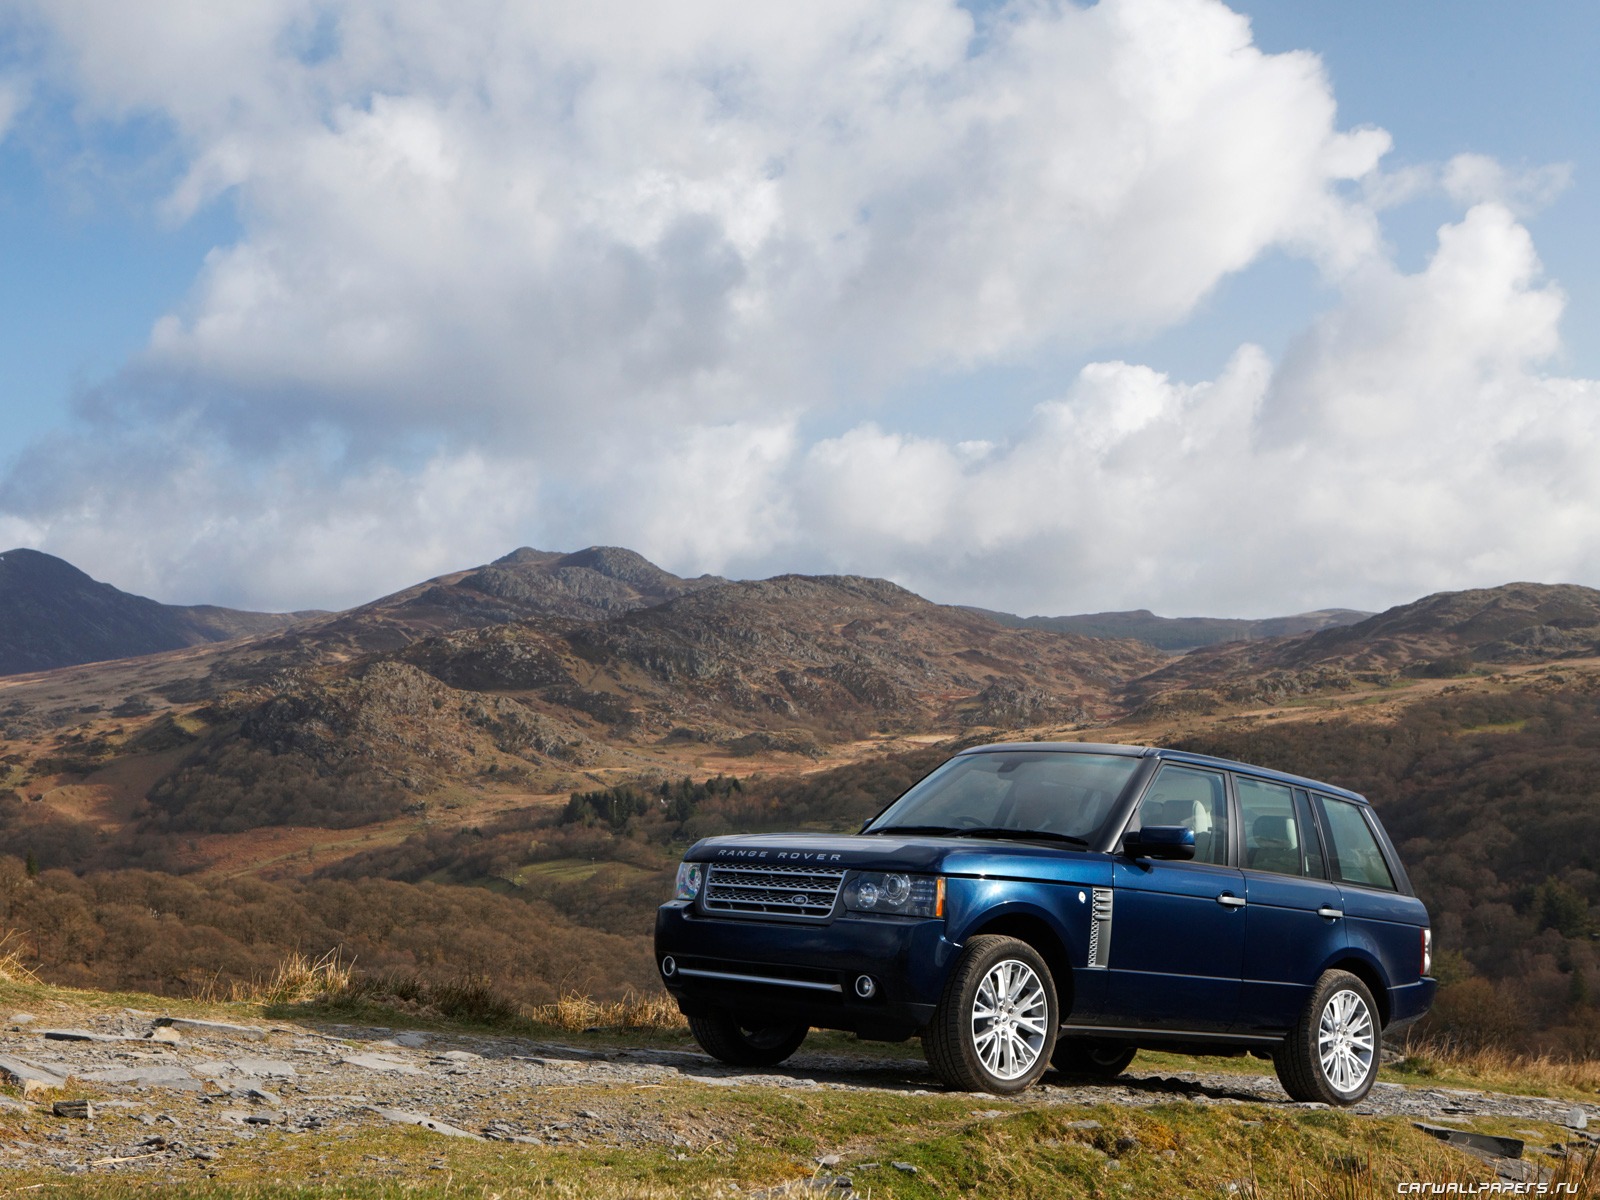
[(1272, 840), (1194, 799), (1315, 867), (1353, 849), (1042, 791)]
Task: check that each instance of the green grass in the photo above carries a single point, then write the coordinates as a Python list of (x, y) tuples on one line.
[(770, 1138)]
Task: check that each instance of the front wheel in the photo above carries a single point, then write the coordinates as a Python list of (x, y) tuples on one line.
[(995, 1026), (1331, 1054), (1098, 1060), (741, 1044)]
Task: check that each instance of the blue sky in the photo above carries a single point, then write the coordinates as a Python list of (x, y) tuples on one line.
[(1043, 308)]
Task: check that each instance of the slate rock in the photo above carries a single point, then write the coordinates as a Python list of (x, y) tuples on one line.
[(22, 1019), (76, 1109), (249, 1068), (31, 1077), (154, 1075), (76, 1035), (1576, 1118), (380, 1062), (212, 1028), (401, 1117), (1487, 1143)]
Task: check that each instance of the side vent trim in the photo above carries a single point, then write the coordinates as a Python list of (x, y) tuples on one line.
[(1100, 930)]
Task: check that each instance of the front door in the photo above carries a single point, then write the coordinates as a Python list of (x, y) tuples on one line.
[(1177, 930)]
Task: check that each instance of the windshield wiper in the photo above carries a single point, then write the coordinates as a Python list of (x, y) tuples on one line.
[(912, 829), (1022, 835)]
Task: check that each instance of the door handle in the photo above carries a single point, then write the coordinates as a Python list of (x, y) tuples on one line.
[(1229, 900), (1327, 910)]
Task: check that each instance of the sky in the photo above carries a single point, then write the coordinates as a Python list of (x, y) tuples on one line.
[(1233, 311)]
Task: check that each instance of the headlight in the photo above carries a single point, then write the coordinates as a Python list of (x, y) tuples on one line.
[(896, 894), (690, 877)]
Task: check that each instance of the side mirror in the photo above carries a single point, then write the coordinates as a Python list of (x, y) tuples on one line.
[(1160, 841), (865, 823)]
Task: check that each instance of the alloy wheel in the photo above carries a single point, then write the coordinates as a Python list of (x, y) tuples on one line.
[(1010, 1019), (1345, 1040)]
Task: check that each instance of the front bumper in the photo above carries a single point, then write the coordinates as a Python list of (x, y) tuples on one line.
[(789, 970)]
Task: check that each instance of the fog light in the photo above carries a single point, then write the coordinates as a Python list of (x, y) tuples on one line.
[(669, 966), (866, 986)]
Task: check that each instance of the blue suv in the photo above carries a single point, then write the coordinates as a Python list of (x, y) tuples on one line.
[(1030, 904)]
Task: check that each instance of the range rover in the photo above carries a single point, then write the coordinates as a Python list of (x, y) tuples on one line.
[(1029, 905)]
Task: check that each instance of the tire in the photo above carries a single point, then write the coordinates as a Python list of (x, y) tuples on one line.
[(995, 1026), (742, 1045), (1095, 1059), (1331, 1055)]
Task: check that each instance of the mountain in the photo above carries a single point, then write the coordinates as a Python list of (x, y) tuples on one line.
[(1442, 635), (53, 615), (587, 585), (823, 653), (1181, 633)]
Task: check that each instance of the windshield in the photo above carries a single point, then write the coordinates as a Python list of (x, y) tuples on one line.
[(1064, 795)]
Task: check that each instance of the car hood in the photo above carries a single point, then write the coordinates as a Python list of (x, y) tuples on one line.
[(916, 853)]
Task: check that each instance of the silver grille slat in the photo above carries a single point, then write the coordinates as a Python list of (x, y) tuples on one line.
[(776, 891)]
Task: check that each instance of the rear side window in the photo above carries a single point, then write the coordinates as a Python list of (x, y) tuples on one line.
[(1196, 800), (1352, 846), (1272, 840)]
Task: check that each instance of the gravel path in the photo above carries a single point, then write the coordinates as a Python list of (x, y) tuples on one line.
[(162, 1090)]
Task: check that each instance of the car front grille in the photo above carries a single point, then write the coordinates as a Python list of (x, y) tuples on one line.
[(771, 891)]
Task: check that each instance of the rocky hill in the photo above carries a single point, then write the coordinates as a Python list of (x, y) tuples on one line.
[(53, 615), (1446, 634), (1182, 633), (817, 655)]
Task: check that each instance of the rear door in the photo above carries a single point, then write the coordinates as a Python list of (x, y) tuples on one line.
[(1177, 939), (1294, 922), (1380, 919)]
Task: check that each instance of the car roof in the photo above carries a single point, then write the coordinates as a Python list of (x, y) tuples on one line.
[(1166, 755)]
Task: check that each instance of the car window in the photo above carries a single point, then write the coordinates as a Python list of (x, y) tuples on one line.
[(1194, 799), (1315, 867), (1272, 840), (1067, 794), (1352, 847)]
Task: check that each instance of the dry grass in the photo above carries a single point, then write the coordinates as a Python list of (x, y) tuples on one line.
[(329, 982), (1503, 1068), (12, 967), (575, 1013), (300, 980)]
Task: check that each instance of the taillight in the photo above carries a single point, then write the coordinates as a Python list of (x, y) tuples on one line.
[(1427, 951)]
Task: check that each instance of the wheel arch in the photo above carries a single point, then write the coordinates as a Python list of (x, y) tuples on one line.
[(1370, 974), (1034, 928)]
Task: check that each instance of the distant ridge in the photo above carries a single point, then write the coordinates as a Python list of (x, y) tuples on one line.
[(53, 615), (1182, 633)]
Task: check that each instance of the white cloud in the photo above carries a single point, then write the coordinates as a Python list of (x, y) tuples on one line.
[(1468, 179), (1478, 179), (1410, 441), (569, 273)]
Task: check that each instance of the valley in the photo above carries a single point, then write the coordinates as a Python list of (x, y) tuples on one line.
[(515, 755)]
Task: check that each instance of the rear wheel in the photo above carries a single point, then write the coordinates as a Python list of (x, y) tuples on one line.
[(743, 1044), (995, 1026), (1331, 1054), (1099, 1060)]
